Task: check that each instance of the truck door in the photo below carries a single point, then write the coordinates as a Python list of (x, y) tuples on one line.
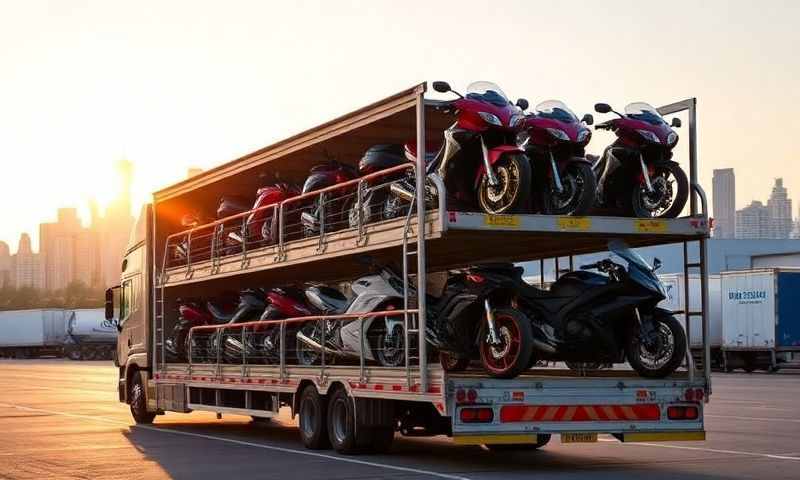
[(132, 338)]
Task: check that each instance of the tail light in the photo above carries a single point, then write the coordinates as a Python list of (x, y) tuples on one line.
[(472, 395), (461, 395), (694, 394), (466, 396), (683, 412), (477, 415)]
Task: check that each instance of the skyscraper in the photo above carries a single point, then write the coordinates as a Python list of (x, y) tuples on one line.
[(6, 263), (27, 270), (724, 193), (753, 221), (68, 251), (780, 211)]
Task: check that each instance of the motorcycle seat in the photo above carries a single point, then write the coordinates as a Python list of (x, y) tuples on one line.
[(231, 205), (431, 150), (219, 314)]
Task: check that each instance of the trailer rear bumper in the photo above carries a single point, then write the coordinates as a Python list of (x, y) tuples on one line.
[(510, 438)]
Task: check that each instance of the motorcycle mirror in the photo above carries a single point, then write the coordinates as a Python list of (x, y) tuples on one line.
[(522, 103), (656, 264), (441, 87), (602, 107), (676, 122), (588, 119)]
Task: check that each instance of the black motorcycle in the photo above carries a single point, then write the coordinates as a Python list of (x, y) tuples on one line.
[(606, 317), (226, 343), (474, 317)]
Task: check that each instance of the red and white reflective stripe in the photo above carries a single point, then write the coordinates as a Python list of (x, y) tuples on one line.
[(579, 413), (394, 387)]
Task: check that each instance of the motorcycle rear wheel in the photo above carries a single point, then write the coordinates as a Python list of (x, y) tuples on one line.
[(512, 356), (451, 363), (513, 193), (661, 363)]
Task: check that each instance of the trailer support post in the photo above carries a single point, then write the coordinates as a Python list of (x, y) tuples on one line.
[(421, 268)]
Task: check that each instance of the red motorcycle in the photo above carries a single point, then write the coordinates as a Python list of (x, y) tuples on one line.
[(331, 207), (260, 227), (479, 162), (554, 140), (636, 174)]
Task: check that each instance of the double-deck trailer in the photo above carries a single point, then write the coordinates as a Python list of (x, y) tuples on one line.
[(360, 404)]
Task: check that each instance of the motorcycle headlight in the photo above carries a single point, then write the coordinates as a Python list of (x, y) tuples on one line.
[(490, 118), (559, 134), (522, 139), (672, 139), (515, 120), (583, 135), (649, 136)]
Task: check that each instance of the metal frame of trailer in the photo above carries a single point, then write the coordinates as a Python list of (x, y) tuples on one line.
[(437, 239)]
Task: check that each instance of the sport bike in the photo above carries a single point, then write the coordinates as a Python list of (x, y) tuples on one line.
[(554, 140), (331, 207), (636, 174)]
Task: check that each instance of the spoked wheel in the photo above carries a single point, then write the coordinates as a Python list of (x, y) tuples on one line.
[(511, 355), (513, 187), (577, 194), (393, 207), (660, 355), (452, 363), (669, 195), (392, 347)]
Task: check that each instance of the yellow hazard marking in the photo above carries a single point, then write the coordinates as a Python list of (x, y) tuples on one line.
[(650, 225), (501, 220), (579, 224)]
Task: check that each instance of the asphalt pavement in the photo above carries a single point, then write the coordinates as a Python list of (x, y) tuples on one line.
[(61, 419)]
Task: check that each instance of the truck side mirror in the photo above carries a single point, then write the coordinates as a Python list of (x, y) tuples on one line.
[(676, 122), (109, 304)]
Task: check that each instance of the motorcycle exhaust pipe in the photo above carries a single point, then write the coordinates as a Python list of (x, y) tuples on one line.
[(310, 342), (543, 346), (398, 191)]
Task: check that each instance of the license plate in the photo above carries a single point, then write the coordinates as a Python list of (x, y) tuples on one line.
[(581, 437)]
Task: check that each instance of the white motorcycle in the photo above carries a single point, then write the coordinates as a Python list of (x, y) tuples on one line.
[(383, 336)]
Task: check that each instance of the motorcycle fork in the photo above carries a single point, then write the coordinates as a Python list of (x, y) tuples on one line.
[(646, 331), (645, 174), (556, 176), (493, 338), (487, 164)]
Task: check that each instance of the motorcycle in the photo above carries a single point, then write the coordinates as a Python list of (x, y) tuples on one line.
[(606, 317), (474, 317), (331, 207), (260, 227), (554, 140), (227, 344), (636, 173), (190, 314), (200, 241), (384, 340), (479, 162), (282, 303)]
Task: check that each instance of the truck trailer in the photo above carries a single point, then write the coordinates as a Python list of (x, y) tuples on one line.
[(761, 319), (32, 333), (89, 335), (356, 405)]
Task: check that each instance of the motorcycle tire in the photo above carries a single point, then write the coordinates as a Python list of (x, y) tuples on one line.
[(516, 349), (634, 203), (579, 188), (391, 348), (451, 363), (514, 173), (667, 327)]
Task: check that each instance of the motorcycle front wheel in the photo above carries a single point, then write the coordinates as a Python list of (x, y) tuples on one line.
[(660, 356), (512, 193), (512, 354), (577, 195), (669, 195)]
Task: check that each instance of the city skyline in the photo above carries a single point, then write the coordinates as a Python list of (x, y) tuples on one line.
[(192, 83)]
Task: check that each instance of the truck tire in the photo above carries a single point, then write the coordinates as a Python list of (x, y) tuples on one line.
[(88, 353), (344, 436), (313, 420), (542, 440), (138, 401), (74, 353)]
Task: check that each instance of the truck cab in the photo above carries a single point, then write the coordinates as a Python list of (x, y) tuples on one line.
[(133, 296)]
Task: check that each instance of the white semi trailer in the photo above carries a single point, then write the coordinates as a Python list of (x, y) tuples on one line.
[(32, 333)]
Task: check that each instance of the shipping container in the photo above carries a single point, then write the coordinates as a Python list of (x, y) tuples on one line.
[(676, 301), (32, 333), (761, 318)]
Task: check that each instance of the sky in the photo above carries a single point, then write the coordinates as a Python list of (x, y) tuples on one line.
[(174, 84)]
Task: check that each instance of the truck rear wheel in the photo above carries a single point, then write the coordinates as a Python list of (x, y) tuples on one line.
[(313, 419), (74, 353), (344, 436), (138, 401)]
